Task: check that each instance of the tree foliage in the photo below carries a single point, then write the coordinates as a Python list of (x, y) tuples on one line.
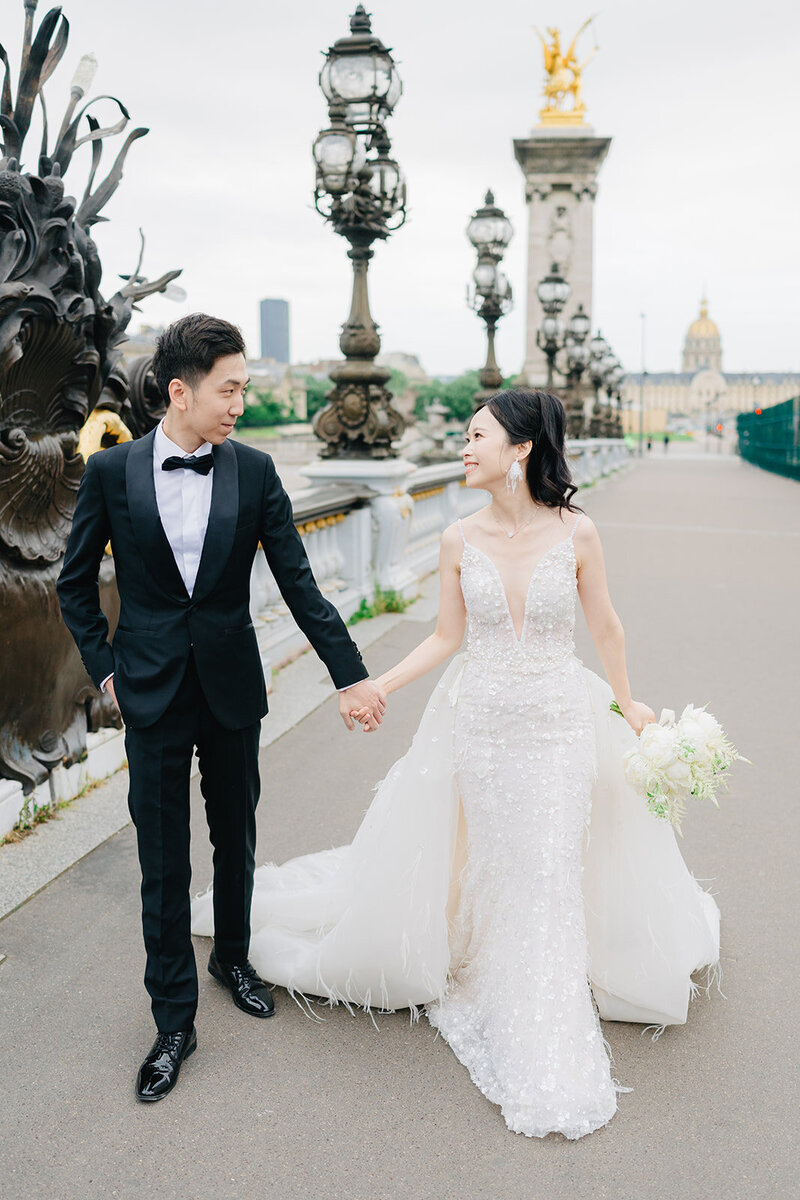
[(458, 395), (264, 411), (317, 393)]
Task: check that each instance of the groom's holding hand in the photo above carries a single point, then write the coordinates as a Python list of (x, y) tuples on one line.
[(185, 510)]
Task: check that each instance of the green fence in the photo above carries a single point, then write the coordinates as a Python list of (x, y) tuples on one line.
[(770, 437)]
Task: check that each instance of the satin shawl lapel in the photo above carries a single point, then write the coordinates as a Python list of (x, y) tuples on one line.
[(221, 520), (148, 531)]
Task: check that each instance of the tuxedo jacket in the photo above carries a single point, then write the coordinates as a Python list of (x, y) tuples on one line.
[(160, 624)]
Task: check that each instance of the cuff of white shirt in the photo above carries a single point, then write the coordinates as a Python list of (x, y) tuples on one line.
[(105, 681), (353, 684)]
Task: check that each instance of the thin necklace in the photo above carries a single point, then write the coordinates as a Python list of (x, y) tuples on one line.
[(515, 531)]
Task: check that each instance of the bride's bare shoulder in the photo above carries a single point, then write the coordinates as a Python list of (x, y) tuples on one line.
[(474, 521), (450, 550), (586, 537), (583, 525), (451, 538)]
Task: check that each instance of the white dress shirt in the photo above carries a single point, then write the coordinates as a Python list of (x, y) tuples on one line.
[(184, 501)]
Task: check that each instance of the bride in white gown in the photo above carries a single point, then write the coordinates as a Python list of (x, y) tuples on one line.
[(505, 875)]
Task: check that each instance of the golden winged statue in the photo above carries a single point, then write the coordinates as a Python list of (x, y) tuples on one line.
[(563, 78)]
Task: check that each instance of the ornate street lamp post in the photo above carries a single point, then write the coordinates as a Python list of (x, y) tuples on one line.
[(554, 335), (612, 371), (490, 231), (598, 371), (606, 374), (578, 356), (553, 292), (614, 388), (361, 192)]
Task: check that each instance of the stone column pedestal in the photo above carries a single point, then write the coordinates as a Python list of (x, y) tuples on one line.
[(560, 168), (391, 512)]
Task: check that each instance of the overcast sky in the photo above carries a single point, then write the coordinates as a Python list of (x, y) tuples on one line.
[(701, 186)]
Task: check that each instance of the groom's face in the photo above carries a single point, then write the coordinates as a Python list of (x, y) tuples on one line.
[(211, 407)]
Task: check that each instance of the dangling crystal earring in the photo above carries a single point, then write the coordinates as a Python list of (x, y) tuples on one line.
[(513, 476)]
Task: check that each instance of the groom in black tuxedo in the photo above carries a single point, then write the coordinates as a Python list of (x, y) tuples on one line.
[(185, 510)]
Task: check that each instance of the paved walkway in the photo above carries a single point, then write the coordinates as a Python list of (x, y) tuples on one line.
[(704, 562)]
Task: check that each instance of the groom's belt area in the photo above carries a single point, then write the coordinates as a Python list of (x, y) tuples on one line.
[(189, 621)]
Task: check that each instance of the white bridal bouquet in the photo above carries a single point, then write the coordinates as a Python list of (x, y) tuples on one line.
[(677, 759)]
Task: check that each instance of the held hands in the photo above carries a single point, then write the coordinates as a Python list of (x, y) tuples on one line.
[(364, 703), (637, 715)]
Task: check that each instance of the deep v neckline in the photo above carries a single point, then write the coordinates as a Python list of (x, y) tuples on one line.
[(519, 640)]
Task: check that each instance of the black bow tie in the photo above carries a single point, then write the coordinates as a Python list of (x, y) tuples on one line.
[(201, 464)]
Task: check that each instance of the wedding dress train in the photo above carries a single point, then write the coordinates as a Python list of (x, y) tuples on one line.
[(505, 875)]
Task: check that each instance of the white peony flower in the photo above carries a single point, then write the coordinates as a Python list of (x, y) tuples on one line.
[(679, 774), (636, 770), (691, 737), (709, 725), (657, 744)]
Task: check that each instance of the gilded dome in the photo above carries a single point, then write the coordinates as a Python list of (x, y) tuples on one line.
[(702, 347), (703, 326)]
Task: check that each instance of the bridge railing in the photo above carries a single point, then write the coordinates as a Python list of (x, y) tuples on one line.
[(771, 438)]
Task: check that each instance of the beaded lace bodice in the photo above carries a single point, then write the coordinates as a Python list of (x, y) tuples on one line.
[(547, 638)]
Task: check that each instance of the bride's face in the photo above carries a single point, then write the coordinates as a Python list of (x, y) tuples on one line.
[(488, 453)]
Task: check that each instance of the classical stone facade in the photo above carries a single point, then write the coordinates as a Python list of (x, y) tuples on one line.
[(702, 391)]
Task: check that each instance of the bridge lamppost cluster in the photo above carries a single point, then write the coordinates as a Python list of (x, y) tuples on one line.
[(594, 357), (553, 292), (360, 190), (578, 357), (614, 392), (556, 335), (606, 373), (490, 231)]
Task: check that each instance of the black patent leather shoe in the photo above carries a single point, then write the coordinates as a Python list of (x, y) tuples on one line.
[(249, 992), (158, 1074)]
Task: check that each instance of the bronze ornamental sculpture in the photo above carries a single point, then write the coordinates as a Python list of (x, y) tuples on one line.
[(59, 361)]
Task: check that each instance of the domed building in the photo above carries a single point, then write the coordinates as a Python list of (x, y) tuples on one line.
[(701, 393), (703, 345)]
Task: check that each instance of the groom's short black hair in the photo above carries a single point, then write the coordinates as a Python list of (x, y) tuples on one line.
[(189, 347)]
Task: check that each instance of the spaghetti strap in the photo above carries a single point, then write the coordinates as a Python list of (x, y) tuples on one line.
[(574, 527), (461, 531)]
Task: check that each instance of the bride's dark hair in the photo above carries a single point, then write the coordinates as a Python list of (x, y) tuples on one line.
[(539, 418)]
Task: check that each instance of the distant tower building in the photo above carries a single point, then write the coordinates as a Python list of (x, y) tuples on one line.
[(703, 345), (275, 330)]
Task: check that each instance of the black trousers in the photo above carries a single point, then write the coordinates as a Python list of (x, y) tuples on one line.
[(159, 759)]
